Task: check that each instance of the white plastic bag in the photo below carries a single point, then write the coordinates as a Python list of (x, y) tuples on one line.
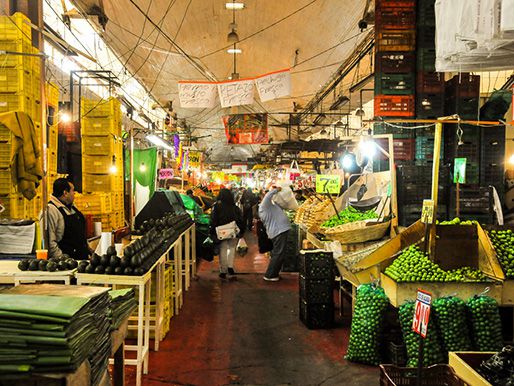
[(227, 231), (285, 198), (242, 247)]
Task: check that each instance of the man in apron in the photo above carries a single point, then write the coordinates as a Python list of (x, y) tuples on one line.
[(66, 225)]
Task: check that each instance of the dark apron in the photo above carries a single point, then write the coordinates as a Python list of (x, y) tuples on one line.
[(73, 242)]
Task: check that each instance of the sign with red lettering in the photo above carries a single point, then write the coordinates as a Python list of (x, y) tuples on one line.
[(422, 313), (165, 174), (244, 129)]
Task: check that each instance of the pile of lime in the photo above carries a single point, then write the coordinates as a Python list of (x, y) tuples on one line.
[(370, 306), (432, 350), (450, 316), (348, 215), (503, 242), (457, 221), (414, 265), (485, 323)]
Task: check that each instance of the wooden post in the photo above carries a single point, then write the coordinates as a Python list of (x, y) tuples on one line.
[(435, 181), (394, 201), (457, 202), (131, 179)]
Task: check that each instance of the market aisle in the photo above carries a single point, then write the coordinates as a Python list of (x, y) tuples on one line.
[(247, 332)]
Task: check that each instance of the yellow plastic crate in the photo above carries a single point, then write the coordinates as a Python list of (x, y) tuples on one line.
[(33, 207), (5, 134), (52, 94), (16, 102), (118, 150), (118, 183), (97, 145), (6, 154), (15, 27), (117, 201), (96, 164), (110, 107), (94, 203), (14, 206), (52, 162), (7, 185), (15, 80), (15, 60), (100, 126), (105, 219), (53, 138), (96, 182)]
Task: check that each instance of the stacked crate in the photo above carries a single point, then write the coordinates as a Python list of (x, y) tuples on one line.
[(102, 150), (395, 39), (292, 250), (19, 91), (316, 289)]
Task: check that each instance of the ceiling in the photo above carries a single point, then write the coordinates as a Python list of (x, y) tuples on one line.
[(312, 37)]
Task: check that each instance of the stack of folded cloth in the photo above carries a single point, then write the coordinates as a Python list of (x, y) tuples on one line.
[(123, 303), (59, 325)]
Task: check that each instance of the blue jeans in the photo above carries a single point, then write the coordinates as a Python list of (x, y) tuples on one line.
[(277, 255)]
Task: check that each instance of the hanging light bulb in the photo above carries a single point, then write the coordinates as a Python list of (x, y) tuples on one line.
[(233, 37), (113, 169), (142, 167), (64, 117)]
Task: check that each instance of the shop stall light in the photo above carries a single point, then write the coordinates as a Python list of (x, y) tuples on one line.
[(158, 141), (348, 161), (234, 50), (64, 117), (142, 167), (234, 5), (511, 159), (368, 148), (113, 169)]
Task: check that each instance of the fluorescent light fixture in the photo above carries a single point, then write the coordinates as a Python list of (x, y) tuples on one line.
[(158, 141), (234, 50), (234, 5), (320, 118), (339, 102)]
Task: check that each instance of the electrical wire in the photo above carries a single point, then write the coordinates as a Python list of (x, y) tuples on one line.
[(261, 30)]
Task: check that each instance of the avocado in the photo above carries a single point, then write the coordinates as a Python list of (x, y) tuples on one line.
[(95, 260), (125, 262), (128, 271), (72, 263), (104, 261), (42, 265), (62, 266), (90, 269), (139, 271), (34, 265), (118, 271), (100, 269), (111, 251), (115, 261), (23, 265), (51, 266), (109, 270), (135, 261)]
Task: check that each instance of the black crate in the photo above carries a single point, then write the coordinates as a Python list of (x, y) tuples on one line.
[(492, 137), (394, 84), (409, 214), (403, 132), (415, 193), (397, 353), (465, 107), (317, 265), (463, 86), (316, 316), (421, 173), (426, 12), (315, 291), (429, 106), (425, 37), (429, 82), (426, 59), (395, 62), (472, 201)]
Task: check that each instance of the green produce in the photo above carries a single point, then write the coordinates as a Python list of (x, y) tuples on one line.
[(432, 351), (349, 215), (414, 265), (450, 317), (456, 221), (503, 242), (370, 306), (485, 323)]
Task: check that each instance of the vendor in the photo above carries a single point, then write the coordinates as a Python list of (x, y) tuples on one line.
[(66, 225)]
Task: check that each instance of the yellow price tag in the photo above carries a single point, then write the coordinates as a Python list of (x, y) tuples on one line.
[(326, 183), (427, 213)]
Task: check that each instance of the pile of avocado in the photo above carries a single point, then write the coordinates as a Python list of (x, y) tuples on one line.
[(348, 215), (53, 264)]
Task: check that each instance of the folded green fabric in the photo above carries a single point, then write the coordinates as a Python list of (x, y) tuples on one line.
[(53, 306)]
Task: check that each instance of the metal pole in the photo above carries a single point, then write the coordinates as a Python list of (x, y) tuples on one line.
[(131, 178)]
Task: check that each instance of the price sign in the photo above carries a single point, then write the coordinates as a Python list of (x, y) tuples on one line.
[(165, 174), (326, 183), (427, 214), (422, 313), (459, 171)]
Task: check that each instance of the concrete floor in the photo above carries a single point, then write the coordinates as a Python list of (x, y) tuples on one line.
[(247, 332)]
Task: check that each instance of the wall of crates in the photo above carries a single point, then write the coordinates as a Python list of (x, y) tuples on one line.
[(19, 91), (102, 149), (407, 86)]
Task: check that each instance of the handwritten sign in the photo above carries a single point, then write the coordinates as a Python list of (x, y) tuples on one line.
[(236, 93), (326, 183), (197, 94), (165, 174), (195, 157), (422, 313), (274, 85), (427, 213)]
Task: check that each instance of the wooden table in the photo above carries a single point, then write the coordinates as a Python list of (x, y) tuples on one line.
[(11, 274), (144, 285)]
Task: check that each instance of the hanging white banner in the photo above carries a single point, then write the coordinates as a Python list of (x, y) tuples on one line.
[(197, 94), (236, 93), (274, 85)]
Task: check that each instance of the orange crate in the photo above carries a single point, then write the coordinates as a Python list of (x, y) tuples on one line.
[(396, 40), (97, 182), (395, 18), (395, 3), (96, 164), (395, 105), (97, 145)]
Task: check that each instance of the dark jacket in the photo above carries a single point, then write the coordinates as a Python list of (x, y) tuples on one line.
[(222, 214)]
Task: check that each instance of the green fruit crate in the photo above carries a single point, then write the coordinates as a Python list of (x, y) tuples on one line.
[(437, 375), (426, 59), (395, 84)]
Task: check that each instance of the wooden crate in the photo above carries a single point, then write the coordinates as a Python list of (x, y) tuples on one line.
[(464, 364), (399, 293)]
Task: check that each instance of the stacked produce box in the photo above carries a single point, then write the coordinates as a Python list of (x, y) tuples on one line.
[(316, 289), (19, 91), (102, 162), (395, 80)]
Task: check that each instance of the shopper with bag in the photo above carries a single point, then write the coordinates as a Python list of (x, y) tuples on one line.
[(277, 227), (226, 228)]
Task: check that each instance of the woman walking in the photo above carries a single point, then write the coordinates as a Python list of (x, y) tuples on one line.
[(226, 213)]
